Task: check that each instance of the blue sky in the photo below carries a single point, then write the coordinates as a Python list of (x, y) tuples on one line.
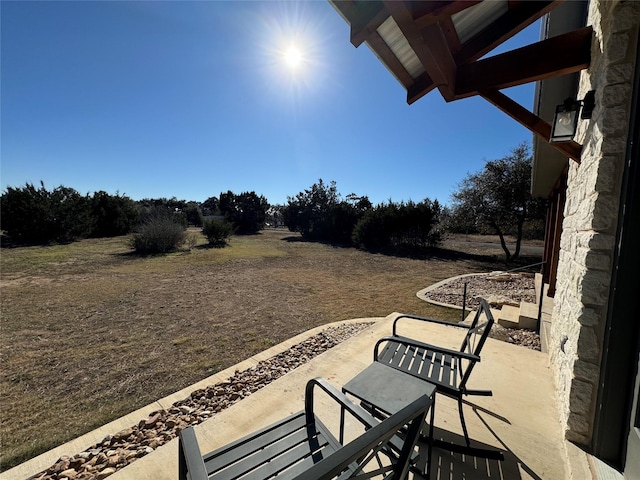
[(190, 99)]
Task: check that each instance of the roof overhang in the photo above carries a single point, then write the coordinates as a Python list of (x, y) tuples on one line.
[(441, 44)]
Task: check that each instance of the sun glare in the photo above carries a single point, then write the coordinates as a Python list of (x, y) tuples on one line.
[(291, 46), (293, 57)]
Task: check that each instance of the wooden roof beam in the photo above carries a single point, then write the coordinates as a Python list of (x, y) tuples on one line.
[(516, 19), (350, 12), (567, 53), (430, 45), (422, 85), (438, 46), (369, 17), (532, 122)]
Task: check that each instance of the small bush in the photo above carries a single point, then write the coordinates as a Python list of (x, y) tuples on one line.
[(217, 232), (159, 234), (191, 241)]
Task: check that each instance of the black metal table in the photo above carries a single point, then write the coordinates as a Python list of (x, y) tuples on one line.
[(387, 390)]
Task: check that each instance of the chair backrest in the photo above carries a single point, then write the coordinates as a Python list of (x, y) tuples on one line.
[(475, 338), (365, 449)]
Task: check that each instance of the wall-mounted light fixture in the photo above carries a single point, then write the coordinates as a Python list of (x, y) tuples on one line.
[(565, 121)]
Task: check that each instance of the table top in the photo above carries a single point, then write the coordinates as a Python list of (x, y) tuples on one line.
[(386, 388)]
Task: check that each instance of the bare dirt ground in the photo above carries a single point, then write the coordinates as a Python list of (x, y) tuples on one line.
[(91, 332)]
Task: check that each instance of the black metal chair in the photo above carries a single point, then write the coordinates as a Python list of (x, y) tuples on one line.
[(448, 369), (302, 447)]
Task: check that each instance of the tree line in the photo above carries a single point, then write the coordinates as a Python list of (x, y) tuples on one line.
[(494, 200), (321, 214), (36, 215)]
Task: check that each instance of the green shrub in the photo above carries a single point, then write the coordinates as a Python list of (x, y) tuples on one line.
[(246, 212), (320, 214), (112, 215), (217, 231), (158, 234), (399, 226)]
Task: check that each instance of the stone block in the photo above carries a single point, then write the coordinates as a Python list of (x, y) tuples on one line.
[(588, 317), (596, 240), (615, 120), (618, 94), (580, 397), (614, 145), (607, 175), (586, 371), (593, 260), (508, 317), (528, 317), (578, 423), (594, 288), (565, 239), (616, 47), (586, 214), (627, 17), (621, 73), (588, 347), (598, 261)]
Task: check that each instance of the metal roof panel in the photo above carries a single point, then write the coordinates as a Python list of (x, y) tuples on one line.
[(393, 37), (468, 23)]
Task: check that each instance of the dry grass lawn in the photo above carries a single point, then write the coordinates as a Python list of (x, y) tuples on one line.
[(91, 332)]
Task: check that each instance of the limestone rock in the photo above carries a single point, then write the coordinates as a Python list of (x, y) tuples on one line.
[(105, 473)]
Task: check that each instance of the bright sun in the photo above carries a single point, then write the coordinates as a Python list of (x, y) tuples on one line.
[(293, 57)]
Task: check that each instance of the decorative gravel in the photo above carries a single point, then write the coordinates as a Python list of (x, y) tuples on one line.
[(497, 288)]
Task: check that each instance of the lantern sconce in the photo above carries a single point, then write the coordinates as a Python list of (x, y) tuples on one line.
[(565, 121)]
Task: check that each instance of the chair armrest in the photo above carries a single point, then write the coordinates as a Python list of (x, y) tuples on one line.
[(357, 411), (426, 346), (425, 319), (190, 459)]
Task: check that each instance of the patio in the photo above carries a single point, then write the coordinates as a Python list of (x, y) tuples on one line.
[(520, 419)]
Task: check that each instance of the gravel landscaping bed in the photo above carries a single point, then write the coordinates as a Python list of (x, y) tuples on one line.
[(498, 289), (118, 450)]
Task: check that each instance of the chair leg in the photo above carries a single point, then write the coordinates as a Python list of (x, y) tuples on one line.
[(489, 453), (464, 425)]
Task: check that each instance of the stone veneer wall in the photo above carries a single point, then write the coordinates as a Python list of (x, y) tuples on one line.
[(591, 212)]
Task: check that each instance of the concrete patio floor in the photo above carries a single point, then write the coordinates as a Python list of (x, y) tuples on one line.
[(519, 419)]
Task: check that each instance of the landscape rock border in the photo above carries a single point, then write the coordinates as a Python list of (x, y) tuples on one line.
[(498, 288), (422, 294)]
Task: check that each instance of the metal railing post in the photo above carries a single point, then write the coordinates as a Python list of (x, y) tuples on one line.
[(464, 300)]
